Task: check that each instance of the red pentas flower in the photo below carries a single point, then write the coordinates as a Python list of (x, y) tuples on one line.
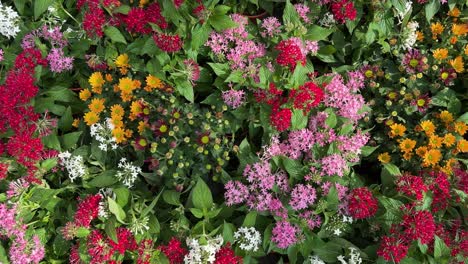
[(178, 3), (3, 170), (26, 149), (306, 96), (75, 255), (153, 15), (343, 10), (440, 188), (419, 225), (136, 21), (393, 248), (174, 251), (226, 255), (412, 186), (281, 118), (145, 251), (98, 248), (93, 21), (168, 43), (290, 54), (361, 203), (125, 241), (88, 210)]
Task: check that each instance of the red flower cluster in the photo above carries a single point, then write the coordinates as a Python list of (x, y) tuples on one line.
[(440, 188), (3, 170), (125, 241), (174, 251), (290, 54), (281, 118), (419, 225), (88, 210), (93, 22), (412, 186), (393, 248), (145, 251), (101, 249), (178, 3), (227, 256), (306, 97), (138, 19), (343, 10), (362, 204), (168, 43)]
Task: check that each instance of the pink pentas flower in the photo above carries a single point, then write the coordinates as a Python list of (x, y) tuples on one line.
[(192, 69), (333, 164), (1, 55), (284, 234), (58, 61), (355, 80), (313, 220), (26, 251), (236, 193), (302, 196), (302, 10), (271, 27), (311, 46), (233, 98)]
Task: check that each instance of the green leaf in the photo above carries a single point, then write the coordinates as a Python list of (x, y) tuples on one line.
[(52, 142), (66, 121), (122, 195), (219, 68), (199, 36), (82, 232), (331, 120), (318, 33), (463, 118), (392, 169), (104, 179), (298, 119), (122, 9), (116, 210), (198, 213), (202, 197), (440, 248), (228, 232), (293, 167), (299, 76), (151, 206), (171, 197), (110, 229), (19, 4), (221, 9), (114, 34), (235, 77), (40, 6), (290, 14), (431, 9), (367, 150), (221, 22), (185, 88), (250, 219), (69, 140)]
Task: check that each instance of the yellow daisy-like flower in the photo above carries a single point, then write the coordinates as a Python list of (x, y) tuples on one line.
[(384, 158), (459, 29), (85, 94), (432, 157), (91, 118), (428, 127), (117, 112), (436, 29), (461, 128), (453, 40), (153, 82), (126, 85), (122, 61), (126, 97), (455, 12), (435, 141), (96, 80), (449, 140), (97, 105), (143, 3), (457, 64), (419, 36), (135, 109), (128, 133), (117, 122), (119, 134), (421, 151), (397, 130), (449, 165), (142, 125), (462, 146), (446, 117), (76, 122), (440, 54), (407, 145)]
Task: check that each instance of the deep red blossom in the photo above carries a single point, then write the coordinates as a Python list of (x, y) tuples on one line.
[(25, 148), (98, 248), (168, 43), (361, 203), (226, 255), (290, 54), (461, 179), (153, 15), (178, 3), (136, 21), (306, 96), (3, 170), (419, 225), (93, 22), (145, 251), (343, 10), (412, 186), (125, 241), (174, 251), (393, 248), (281, 119), (200, 12), (75, 255), (440, 188), (88, 210)]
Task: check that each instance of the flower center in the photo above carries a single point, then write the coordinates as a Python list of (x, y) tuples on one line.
[(414, 62), (421, 102)]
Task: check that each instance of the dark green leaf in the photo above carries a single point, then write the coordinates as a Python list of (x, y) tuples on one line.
[(104, 179), (40, 6), (114, 34), (202, 197), (116, 210)]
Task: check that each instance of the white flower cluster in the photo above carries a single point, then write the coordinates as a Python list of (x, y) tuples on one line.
[(139, 226), (409, 35), (74, 165), (202, 253), (8, 21), (403, 10), (103, 134), (129, 172), (315, 260), (327, 20), (248, 238), (354, 257)]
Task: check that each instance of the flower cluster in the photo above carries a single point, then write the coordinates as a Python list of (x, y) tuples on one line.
[(128, 172), (9, 26)]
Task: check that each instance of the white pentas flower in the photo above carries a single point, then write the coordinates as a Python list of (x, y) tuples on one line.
[(203, 253), (409, 35), (248, 238), (103, 134), (128, 173), (74, 164), (9, 21), (139, 226), (327, 20), (354, 257), (315, 260)]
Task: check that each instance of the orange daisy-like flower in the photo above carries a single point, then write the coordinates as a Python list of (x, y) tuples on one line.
[(384, 158), (419, 35), (153, 82), (122, 61), (91, 118), (126, 85), (142, 126), (461, 128), (117, 112), (96, 80), (457, 64), (76, 122), (432, 158), (455, 12), (436, 29), (446, 117), (462, 146), (85, 94), (428, 127), (440, 54), (397, 130), (97, 105), (421, 151), (407, 145), (119, 134), (435, 141), (449, 140), (459, 29)]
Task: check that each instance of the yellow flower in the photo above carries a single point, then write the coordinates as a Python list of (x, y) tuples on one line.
[(153, 82), (397, 130), (128, 133), (117, 122), (126, 85), (432, 157), (440, 54), (462, 146), (97, 105), (436, 29), (457, 64), (384, 158), (135, 109), (460, 128), (126, 97), (435, 141), (119, 134), (117, 112), (76, 122), (122, 61), (142, 125), (96, 80), (419, 35), (407, 155), (428, 127), (91, 118), (85, 94), (421, 151), (446, 117), (449, 165), (455, 12), (109, 77), (449, 140), (459, 29), (407, 145), (143, 3)]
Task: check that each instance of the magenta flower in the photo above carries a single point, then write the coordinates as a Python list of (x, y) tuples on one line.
[(284, 234)]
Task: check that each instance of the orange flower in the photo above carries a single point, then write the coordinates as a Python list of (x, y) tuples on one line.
[(453, 40), (397, 130), (119, 134), (432, 157), (440, 54), (446, 117), (85, 94), (407, 145), (117, 112), (407, 155), (91, 118), (76, 122), (97, 105), (457, 64), (428, 127), (459, 29), (449, 140), (436, 29), (461, 128), (419, 35), (466, 50), (421, 151), (435, 141), (384, 158), (455, 12), (462, 146)]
